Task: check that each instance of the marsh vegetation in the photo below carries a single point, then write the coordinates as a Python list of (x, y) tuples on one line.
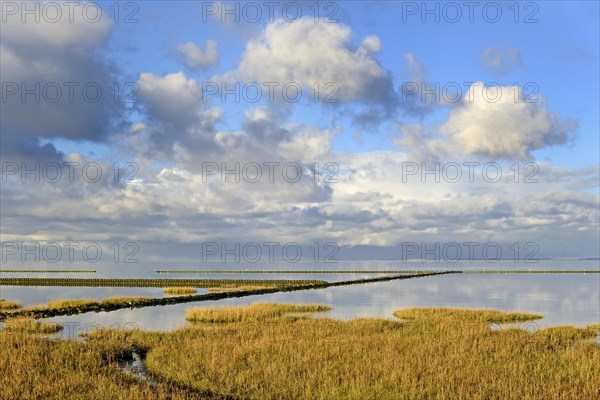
[(255, 312), (178, 291), (9, 305), (28, 325), (275, 351)]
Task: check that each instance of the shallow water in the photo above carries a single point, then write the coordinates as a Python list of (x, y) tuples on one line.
[(565, 299), (135, 366), (148, 270)]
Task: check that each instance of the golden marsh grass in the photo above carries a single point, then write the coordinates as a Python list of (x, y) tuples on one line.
[(259, 352), (28, 325), (32, 367), (63, 303), (254, 312), (9, 305), (179, 291), (431, 353)]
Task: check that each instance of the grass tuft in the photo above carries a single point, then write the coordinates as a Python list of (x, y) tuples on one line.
[(491, 316), (254, 312), (28, 325), (180, 290), (9, 305), (34, 308), (65, 303)]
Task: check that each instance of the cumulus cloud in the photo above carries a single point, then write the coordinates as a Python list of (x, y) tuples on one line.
[(14, 147), (497, 123), (59, 65), (181, 127), (196, 58), (420, 208), (416, 139), (176, 115), (172, 98), (176, 132), (307, 144), (510, 127), (501, 60), (308, 52), (370, 205)]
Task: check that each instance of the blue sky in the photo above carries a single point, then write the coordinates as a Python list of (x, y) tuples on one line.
[(550, 47), (558, 53)]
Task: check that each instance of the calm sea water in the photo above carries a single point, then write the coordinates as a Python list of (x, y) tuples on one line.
[(562, 299), (148, 270)]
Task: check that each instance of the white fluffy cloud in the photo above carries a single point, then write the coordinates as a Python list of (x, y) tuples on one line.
[(510, 127), (308, 52), (196, 58), (308, 144), (498, 122), (172, 98), (370, 205), (176, 116)]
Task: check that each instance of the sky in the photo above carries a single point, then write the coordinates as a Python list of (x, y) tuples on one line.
[(333, 111)]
